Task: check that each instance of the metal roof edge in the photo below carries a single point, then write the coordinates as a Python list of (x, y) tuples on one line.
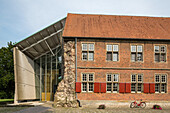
[(38, 31)]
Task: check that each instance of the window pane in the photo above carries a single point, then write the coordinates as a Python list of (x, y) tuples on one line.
[(84, 47), (157, 88), (133, 78), (109, 47), (139, 87), (163, 49), (115, 48), (133, 87), (157, 57), (109, 77), (91, 56), (133, 57), (140, 78), (133, 48), (139, 48), (115, 77), (115, 56), (163, 78), (139, 57), (156, 48), (115, 86), (90, 86), (109, 56), (91, 47), (163, 88), (157, 78), (163, 58), (84, 86), (84, 55), (84, 77), (109, 87), (90, 77)]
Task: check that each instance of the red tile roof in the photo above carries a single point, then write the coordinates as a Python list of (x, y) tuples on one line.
[(111, 26)]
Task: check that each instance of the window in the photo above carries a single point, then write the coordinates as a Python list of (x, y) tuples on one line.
[(160, 83), (87, 52), (112, 82), (112, 52), (136, 83), (160, 53), (87, 82), (136, 53)]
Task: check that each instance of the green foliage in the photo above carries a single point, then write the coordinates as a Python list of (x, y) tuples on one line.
[(6, 72)]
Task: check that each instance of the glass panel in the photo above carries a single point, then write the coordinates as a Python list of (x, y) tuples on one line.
[(84, 47), (90, 86), (133, 57), (91, 47), (109, 77), (157, 87), (109, 87), (156, 48), (163, 79), (91, 56), (115, 86), (133, 87), (139, 48), (157, 57), (133, 48), (157, 78), (84, 86), (84, 77), (163, 57), (163, 49), (90, 77), (139, 56), (115, 77), (84, 55), (109, 56), (139, 87), (163, 88), (115, 56), (109, 47), (133, 78), (115, 48), (140, 78)]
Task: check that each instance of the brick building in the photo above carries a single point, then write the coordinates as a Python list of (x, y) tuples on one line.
[(95, 57)]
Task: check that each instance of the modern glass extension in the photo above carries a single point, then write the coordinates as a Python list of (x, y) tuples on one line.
[(48, 74)]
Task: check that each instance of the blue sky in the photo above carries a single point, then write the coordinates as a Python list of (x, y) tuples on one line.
[(21, 18)]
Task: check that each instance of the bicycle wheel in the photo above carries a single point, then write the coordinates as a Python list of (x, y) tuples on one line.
[(132, 105), (143, 105)]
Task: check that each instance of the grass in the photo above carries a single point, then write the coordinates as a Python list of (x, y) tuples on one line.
[(6, 100)]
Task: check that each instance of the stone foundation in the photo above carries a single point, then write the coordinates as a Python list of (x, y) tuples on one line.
[(65, 95)]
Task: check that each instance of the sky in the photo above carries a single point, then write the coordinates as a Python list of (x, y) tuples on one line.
[(22, 18)]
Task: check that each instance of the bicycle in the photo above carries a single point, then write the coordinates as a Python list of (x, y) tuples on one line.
[(137, 105)]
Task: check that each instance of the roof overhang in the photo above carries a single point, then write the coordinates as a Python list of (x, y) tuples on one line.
[(43, 41)]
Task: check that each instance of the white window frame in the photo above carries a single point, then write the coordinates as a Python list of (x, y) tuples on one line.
[(135, 51), (89, 51), (112, 82), (87, 81), (160, 83), (114, 50), (137, 82)]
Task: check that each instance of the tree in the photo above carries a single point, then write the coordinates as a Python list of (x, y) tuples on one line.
[(7, 84)]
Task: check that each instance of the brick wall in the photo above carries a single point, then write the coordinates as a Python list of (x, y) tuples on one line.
[(124, 67)]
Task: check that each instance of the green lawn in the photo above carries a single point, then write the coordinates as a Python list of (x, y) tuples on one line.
[(6, 100)]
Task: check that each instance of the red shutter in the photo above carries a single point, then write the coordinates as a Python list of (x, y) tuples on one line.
[(103, 87), (121, 87), (146, 87), (96, 87), (78, 87), (152, 88), (128, 87)]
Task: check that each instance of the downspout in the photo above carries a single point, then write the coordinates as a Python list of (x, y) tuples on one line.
[(76, 61)]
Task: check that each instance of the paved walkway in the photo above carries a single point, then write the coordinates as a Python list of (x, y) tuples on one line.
[(37, 109)]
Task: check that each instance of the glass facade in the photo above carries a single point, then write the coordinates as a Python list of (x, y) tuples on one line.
[(48, 74)]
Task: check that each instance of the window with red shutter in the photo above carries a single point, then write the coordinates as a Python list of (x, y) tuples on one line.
[(103, 87), (152, 88), (121, 87), (78, 87), (128, 87), (146, 87), (96, 87)]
